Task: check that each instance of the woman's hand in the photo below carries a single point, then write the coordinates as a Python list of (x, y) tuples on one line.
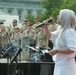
[(46, 22), (53, 52)]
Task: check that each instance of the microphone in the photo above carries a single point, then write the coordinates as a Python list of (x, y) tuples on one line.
[(42, 24)]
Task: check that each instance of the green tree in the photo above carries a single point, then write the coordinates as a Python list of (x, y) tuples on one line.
[(69, 4), (31, 17), (52, 7)]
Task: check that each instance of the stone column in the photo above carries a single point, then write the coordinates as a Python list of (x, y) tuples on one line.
[(24, 12), (15, 11), (34, 12), (6, 10)]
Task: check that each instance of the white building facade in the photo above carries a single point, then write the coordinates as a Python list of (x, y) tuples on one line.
[(20, 7)]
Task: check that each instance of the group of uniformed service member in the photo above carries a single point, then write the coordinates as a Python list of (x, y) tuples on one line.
[(28, 34)]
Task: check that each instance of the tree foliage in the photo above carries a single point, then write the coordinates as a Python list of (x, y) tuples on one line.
[(31, 17), (52, 7)]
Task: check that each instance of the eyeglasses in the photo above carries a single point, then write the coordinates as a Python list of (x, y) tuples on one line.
[(14, 22), (35, 18), (26, 21)]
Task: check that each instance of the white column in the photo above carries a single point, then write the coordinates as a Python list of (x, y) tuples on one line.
[(15, 11), (34, 12), (6, 10), (24, 12)]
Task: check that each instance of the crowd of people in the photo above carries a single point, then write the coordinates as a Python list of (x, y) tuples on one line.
[(62, 36), (28, 34)]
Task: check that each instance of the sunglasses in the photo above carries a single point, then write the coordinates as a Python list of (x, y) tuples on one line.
[(25, 21), (14, 22), (35, 18)]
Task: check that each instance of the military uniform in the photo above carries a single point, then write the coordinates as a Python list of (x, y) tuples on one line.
[(12, 30), (53, 27), (36, 29), (24, 27), (16, 36), (5, 37), (28, 39), (42, 39), (43, 44), (31, 34)]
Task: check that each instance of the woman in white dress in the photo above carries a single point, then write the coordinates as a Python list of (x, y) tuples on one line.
[(64, 40)]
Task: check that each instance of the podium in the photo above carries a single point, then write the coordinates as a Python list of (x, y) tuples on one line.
[(35, 68)]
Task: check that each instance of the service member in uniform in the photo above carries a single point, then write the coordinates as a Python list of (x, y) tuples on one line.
[(37, 30), (42, 39), (14, 23), (4, 34), (30, 37), (4, 37), (43, 45), (24, 26), (36, 20), (16, 37)]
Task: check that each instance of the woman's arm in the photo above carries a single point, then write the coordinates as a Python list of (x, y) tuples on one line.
[(46, 23), (48, 33), (63, 51)]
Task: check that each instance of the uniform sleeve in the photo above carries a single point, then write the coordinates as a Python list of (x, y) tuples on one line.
[(70, 39)]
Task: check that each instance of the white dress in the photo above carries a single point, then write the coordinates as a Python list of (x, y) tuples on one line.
[(64, 63)]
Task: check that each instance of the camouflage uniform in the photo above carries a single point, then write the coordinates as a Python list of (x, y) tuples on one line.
[(24, 27), (4, 35), (12, 31), (53, 27), (42, 39), (36, 29), (5, 38), (16, 36), (43, 43), (28, 39), (31, 34)]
